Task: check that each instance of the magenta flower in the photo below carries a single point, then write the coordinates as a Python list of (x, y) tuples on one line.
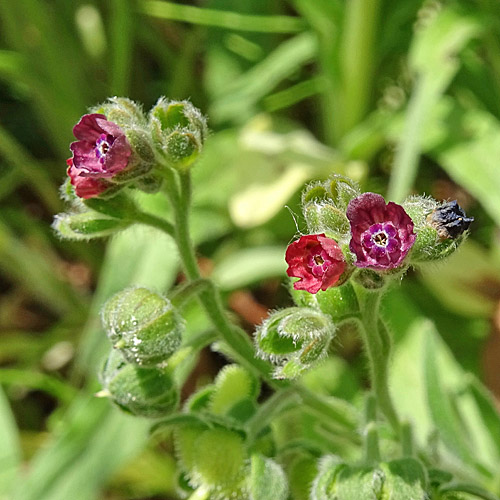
[(102, 151), (382, 234), (317, 260)]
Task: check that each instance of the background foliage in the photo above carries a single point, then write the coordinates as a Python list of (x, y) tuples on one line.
[(402, 96)]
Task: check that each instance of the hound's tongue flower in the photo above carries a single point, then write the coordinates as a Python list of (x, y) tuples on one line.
[(317, 260), (101, 152), (382, 234)]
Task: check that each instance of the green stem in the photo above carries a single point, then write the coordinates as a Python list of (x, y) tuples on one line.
[(377, 349), (157, 222), (234, 337), (278, 403)]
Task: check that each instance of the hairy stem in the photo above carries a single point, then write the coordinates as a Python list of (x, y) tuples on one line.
[(377, 347)]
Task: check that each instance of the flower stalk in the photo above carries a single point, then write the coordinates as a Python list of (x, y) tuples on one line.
[(378, 350)]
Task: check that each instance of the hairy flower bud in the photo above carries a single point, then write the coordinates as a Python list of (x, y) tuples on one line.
[(267, 479), (440, 227), (146, 392), (324, 205), (213, 458), (294, 339), (143, 325), (179, 131), (87, 225)]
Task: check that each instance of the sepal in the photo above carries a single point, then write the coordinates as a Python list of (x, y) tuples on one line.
[(267, 479)]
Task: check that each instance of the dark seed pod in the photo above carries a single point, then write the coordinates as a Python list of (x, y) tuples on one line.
[(449, 220)]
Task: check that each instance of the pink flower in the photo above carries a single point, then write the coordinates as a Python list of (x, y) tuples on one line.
[(382, 235), (85, 187), (102, 151), (317, 260)]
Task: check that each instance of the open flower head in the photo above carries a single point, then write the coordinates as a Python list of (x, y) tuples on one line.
[(381, 234), (101, 151), (317, 260)]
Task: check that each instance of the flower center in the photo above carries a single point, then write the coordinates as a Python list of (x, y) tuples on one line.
[(103, 145), (318, 260), (381, 239)]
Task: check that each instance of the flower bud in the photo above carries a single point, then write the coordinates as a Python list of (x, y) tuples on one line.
[(122, 111), (267, 480), (87, 225), (143, 325), (179, 131), (235, 392), (146, 392), (294, 339), (440, 227), (341, 481), (213, 458), (324, 205), (323, 486)]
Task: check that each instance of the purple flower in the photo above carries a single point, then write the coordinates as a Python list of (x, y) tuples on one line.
[(382, 235), (317, 260), (102, 151)]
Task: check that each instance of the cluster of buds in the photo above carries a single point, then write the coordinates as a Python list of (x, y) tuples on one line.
[(145, 330), (213, 448), (354, 238), (118, 145)]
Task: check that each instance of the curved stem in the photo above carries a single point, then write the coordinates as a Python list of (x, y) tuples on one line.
[(157, 222), (237, 340), (377, 345)]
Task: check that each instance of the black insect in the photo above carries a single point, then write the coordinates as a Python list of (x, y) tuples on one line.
[(449, 220)]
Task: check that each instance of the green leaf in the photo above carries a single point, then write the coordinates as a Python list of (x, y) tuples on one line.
[(221, 18), (10, 450), (452, 430), (433, 59)]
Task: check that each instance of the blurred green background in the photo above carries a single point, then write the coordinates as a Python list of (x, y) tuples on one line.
[(403, 96)]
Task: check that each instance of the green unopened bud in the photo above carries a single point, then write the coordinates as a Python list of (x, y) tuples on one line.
[(440, 228), (234, 393), (294, 339), (324, 217), (143, 325), (404, 478), (267, 480), (340, 481), (87, 225), (179, 131), (324, 484), (146, 392), (122, 111), (342, 190), (337, 302), (142, 160), (324, 206), (215, 459)]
